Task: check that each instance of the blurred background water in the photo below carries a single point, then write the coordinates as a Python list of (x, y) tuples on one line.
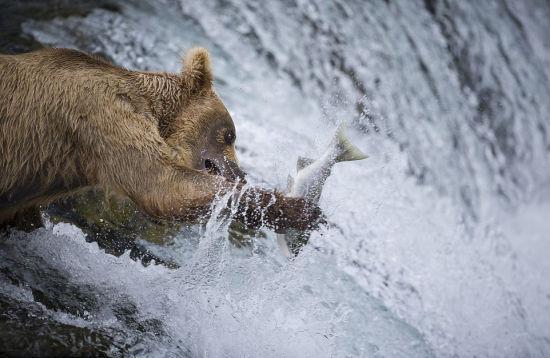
[(440, 241)]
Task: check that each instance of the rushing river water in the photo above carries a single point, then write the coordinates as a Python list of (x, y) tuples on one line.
[(440, 241)]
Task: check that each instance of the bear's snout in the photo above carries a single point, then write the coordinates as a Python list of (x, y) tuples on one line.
[(226, 168)]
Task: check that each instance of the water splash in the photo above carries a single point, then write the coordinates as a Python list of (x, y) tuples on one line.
[(442, 247)]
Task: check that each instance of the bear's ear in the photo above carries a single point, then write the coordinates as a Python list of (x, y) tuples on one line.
[(197, 70)]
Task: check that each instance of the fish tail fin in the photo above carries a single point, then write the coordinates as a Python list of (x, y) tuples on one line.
[(348, 151)]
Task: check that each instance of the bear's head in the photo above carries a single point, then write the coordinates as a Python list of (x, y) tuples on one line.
[(202, 133)]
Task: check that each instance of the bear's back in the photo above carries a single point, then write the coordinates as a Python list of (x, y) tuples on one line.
[(69, 58), (60, 59)]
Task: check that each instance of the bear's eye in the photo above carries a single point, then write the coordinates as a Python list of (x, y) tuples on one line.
[(229, 137)]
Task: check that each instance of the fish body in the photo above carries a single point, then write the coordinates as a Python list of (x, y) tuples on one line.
[(309, 181)]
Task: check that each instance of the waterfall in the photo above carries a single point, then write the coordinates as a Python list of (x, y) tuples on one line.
[(439, 241)]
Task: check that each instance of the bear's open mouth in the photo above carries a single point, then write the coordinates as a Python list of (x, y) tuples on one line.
[(211, 167)]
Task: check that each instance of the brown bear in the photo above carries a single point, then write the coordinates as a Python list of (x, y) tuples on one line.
[(70, 121)]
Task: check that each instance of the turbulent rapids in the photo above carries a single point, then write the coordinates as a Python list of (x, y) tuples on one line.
[(438, 243)]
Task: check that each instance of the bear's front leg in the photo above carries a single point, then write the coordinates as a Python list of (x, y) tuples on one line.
[(188, 194)]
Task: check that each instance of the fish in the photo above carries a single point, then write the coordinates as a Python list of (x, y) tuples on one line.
[(311, 175)]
